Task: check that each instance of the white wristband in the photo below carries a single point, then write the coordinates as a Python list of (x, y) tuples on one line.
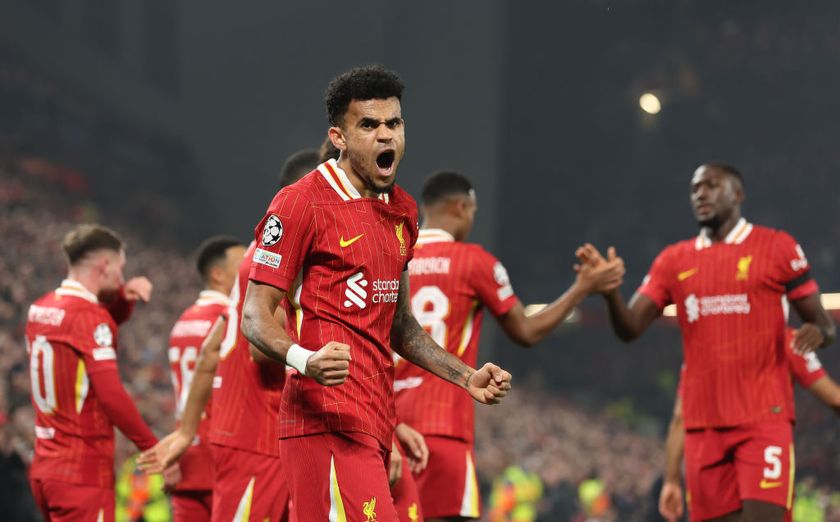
[(297, 356)]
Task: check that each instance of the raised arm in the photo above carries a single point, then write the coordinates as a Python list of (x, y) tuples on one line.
[(487, 385), (330, 365), (628, 322), (527, 330)]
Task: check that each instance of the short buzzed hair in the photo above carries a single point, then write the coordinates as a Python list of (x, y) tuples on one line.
[(444, 184), (86, 239), (212, 251), (728, 169), (372, 82), (298, 165)]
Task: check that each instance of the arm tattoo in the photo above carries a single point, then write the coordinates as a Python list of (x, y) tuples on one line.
[(413, 343)]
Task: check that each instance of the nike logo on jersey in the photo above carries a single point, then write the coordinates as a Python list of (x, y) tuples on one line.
[(349, 242), (766, 484), (682, 276)]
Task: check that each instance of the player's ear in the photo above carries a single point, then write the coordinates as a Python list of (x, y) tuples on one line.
[(337, 138)]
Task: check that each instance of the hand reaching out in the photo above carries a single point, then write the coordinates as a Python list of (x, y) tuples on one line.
[(596, 274)]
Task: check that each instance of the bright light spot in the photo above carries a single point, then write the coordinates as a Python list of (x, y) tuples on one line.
[(831, 301), (573, 317), (650, 103), (670, 311)]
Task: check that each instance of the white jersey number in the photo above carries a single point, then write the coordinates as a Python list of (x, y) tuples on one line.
[(42, 374), (187, 366), (430, 307)]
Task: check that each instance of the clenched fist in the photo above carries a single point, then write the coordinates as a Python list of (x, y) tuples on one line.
[(330, 365)]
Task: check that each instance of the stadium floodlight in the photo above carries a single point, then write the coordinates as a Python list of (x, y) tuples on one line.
[(650, 103), (829, 302)]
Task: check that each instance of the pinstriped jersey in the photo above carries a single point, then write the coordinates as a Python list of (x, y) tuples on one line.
[(805, 369), (246, 394), (731, 305), (70, 337), (349, 253), (451, 285), (185, 342)]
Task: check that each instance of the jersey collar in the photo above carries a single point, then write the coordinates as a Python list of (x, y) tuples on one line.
[(338, 180), (71, 287), (433, 235), (736, 236), (211, 297)]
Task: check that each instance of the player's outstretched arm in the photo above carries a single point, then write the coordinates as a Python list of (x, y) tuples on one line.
[(628, 321), (827, 390), (330, 365), (170, 448), (671, 496), (817, 330), (487, 385), (527, 330)]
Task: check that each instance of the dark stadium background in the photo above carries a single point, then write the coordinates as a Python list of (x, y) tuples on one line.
[(170, 120)]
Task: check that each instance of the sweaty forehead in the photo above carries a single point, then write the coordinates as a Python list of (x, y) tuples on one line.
[(375, 109)]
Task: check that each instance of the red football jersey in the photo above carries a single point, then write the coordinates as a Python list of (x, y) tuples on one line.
[(246, 394), (185, 342), (731, 310), (350, 252), (804, 369), (451, 284), (71, 340)]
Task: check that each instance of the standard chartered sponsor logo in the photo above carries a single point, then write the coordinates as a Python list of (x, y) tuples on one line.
[(355, 291), (382, 291), (386, 290), (695, 307)]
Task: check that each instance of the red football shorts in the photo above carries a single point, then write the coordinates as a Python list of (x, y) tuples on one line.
[(192, 506), (724, 467), (406, 497), (338, 476), (62, 501), (448, 486), (249, 486)]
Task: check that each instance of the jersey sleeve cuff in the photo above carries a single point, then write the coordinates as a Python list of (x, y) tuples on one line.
[(660, 304), (276, 280), (806, 289)]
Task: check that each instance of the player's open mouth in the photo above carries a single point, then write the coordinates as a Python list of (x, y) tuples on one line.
[(385, 162)]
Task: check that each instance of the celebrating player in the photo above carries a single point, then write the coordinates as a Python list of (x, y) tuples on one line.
[(349, 231), (244, 425), (451, 284), (804, 369), (728, 284), (76, 390), (218, 261)]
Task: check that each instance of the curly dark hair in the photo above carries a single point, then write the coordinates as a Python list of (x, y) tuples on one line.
[(372, 82)]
